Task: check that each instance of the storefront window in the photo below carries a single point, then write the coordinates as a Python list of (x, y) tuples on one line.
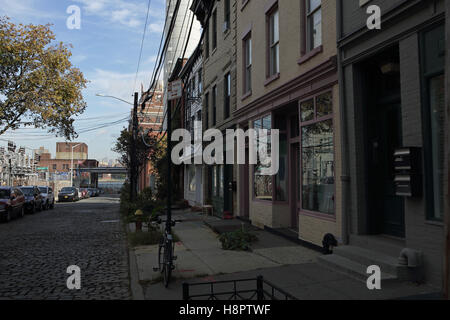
[(281, 178), (317, 158), (263, 184), (214, 182), (221, 181), (192, 182), (324, 105), (433, 54), (437, 117), (307, 110)]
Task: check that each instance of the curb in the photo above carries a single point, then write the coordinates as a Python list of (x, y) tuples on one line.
[(136, 289)]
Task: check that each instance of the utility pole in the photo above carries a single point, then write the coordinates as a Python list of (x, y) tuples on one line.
[(10, 173), (133, 155), (169, 167)]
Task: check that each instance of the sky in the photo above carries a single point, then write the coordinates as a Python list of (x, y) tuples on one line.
[(106, 49)]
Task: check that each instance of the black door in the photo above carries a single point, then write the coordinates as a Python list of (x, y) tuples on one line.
[(387, 212)]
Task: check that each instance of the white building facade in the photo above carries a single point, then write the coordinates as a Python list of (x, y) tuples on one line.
[(179, 38)]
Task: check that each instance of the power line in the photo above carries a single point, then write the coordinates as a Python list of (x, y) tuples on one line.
[(142, 44), (176, 50), (162, 38), (166, 43)]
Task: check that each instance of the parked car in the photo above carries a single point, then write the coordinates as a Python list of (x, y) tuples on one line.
[(34, 201), (91, 192), (12, 203), (68, 194), (84, 193), (94, 192), (49, 197)]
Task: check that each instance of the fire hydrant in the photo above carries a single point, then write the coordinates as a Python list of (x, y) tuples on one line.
[(138, 214)]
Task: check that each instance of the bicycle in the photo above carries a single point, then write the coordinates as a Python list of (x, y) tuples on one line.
[(166, 252)]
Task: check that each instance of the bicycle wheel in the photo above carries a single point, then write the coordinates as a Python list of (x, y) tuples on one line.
[(167, 263)]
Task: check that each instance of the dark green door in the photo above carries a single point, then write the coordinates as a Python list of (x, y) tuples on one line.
[(387, 212)]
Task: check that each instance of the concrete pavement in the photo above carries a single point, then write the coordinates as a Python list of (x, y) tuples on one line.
[(289, 266)]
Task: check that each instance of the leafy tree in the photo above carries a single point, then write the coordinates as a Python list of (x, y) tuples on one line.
[(38, 85), (153, 150)]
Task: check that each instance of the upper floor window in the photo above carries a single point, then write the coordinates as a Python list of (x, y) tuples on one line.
[(214, 105), (200, 82), (248, 64), (274, 42), (207, 110), (214, 30), (207, 41), (227, 15), (314, 23), (227, 97)]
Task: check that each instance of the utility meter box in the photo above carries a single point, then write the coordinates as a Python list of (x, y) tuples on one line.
[(408, 172)]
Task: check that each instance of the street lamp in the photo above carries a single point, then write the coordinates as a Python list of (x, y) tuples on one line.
[(112, 97), (71, 171)]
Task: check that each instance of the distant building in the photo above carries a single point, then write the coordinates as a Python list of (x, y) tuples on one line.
[(41, 151), (64, 150), (59, 168), (150, 120)]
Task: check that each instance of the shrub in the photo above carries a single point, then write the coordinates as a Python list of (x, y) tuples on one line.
[(240, 240)]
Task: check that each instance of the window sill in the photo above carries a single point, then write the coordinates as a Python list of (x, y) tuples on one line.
[(434, 223), (213, 52), (318, 215), (308, 56), (271, 79), (246, 95)]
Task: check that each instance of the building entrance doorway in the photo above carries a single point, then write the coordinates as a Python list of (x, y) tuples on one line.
[(382, 107)]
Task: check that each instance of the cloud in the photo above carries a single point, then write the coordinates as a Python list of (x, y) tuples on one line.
[(78, 58), (130, 14), (156, 27), (116, 84), (23, 9)]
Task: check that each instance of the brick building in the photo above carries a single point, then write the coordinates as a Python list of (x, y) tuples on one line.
[(150, 119), (64, 151)]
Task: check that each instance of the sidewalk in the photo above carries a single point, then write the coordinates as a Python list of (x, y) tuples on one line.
[(289, 266)]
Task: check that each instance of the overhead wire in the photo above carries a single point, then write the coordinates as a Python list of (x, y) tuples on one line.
[(142, 44)]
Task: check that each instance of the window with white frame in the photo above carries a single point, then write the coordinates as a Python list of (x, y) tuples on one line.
[(314, 23), (248, 64), (274, 42)]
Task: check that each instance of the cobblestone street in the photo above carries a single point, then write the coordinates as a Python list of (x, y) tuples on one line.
[(36, 251)]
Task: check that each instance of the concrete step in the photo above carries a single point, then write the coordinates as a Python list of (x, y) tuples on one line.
[(367, 258), (384, 244), (351, 268)]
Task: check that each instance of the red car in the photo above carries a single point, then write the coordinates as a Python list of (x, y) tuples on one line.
[(84, 193), (12, 203)]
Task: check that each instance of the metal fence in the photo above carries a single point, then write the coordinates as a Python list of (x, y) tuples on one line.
[(257, 289)]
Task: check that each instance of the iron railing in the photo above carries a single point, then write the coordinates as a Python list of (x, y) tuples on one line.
[(257, 289)]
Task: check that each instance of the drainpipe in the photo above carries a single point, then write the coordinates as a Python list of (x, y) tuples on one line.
[(345, 178), (446, 277)]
